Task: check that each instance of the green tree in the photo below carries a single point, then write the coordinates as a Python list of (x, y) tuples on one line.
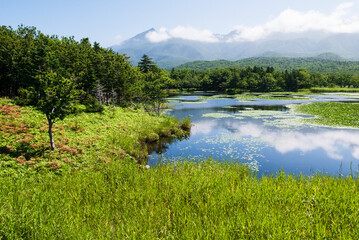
[(303, 77), (146, 64), (266, 83), (55, 98), (153, 91)]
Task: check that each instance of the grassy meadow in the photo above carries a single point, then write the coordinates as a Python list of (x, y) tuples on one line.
[(82, 139), (92, 186)]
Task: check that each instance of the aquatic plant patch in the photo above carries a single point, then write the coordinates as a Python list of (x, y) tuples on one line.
[(253, 96), (220, 96), (331, 113), (193, 102), (336, 90), (271, 96), (282, 119), (218, 115)]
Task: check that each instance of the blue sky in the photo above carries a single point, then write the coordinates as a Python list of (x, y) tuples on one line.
[(110, 22)]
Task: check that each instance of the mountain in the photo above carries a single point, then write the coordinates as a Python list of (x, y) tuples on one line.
[(176, 51), (168, 53)]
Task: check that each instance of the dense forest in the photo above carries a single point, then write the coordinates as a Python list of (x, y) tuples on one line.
[(259, 79), (325, 64), (32, 62)]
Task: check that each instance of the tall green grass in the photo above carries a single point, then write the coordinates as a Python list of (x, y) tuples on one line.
[(203, 200)]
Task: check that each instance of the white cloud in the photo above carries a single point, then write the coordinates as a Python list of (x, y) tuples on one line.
[(188, 33), (288, 21), (191, 33), (158, 36), (118, 37), (292, 21)]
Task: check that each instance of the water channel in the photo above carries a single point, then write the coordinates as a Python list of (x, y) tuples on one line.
[(263, 133)]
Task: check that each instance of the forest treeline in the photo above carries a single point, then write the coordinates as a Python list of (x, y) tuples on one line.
[(31, 60), (326, 63), (259, 79)]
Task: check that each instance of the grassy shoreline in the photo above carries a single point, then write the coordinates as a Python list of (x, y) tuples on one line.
[(81, 139)]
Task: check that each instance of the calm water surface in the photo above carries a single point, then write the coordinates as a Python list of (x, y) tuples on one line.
[(265, 134)]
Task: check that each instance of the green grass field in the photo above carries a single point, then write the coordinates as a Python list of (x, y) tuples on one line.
[(92, 187), (203, 200)]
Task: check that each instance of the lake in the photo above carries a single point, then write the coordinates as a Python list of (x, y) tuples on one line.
[(266, 134)]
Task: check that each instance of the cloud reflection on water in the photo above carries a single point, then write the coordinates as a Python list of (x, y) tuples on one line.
[(333, 141)]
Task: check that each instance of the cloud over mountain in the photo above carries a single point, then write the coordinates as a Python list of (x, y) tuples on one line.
[(188, 33), (288, 21)]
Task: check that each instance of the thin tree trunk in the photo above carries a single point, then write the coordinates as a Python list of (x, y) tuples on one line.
[(52, 144)]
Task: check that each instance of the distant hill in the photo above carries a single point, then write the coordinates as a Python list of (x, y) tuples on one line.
[(331, 57), (176, 51), (323, 63)]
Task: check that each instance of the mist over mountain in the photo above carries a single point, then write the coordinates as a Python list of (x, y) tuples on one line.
[(172, 51)]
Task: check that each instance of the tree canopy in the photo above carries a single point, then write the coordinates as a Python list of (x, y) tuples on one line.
[(258, 79), (49, 73)]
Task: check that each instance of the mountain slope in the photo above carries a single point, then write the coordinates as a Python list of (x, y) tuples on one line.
[(176, 51)]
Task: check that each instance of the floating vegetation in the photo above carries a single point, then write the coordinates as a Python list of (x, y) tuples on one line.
[(245, 97), (230, 107), (331, 113), (281, 119), (218, 115), (261, 114), (271, 96), (293, 122), (235, 147), (351, 95), (282, 97), (238, 117), (175, 98), (216, 97), (334, 90), (193, 102)]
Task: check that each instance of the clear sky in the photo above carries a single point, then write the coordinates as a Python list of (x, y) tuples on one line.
[(112, 21)]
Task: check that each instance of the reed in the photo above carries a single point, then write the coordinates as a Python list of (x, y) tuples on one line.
[(183, 200)]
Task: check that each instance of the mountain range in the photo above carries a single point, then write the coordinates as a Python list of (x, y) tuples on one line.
[(175, 51)]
